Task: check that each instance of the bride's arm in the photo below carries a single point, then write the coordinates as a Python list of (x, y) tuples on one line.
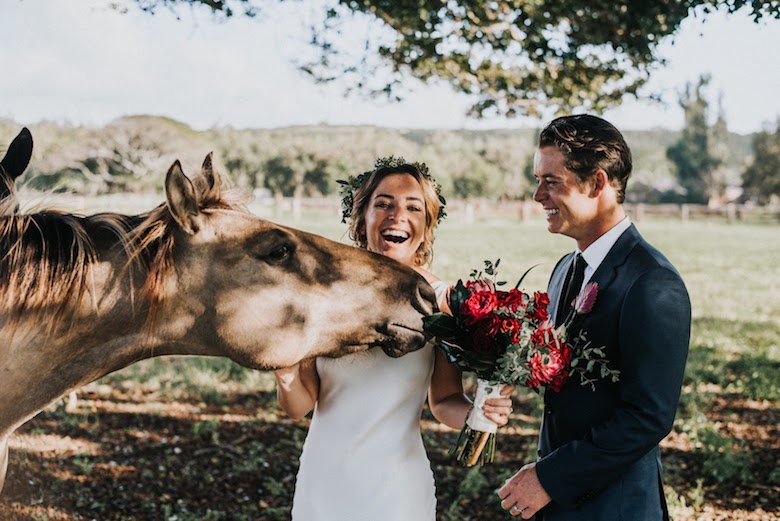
[(297, 388), (448, 403)]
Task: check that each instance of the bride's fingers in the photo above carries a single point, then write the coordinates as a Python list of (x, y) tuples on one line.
[(498, 404), (498, 415), (498, 419)]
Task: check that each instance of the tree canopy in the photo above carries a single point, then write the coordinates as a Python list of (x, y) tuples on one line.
[(694, 154), (762, 177), (516, 57)]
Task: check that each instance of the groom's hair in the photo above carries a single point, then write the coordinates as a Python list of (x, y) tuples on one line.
[(589, 143)]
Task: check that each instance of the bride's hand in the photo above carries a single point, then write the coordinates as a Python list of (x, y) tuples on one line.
[(498, 410), (286, 374)]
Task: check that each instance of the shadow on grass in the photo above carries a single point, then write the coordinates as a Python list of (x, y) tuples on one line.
[(155, 466)]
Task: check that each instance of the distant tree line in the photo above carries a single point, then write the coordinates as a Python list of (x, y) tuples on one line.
[(699, 164)]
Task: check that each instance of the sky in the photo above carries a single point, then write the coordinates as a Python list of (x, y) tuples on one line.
[(83, 63)]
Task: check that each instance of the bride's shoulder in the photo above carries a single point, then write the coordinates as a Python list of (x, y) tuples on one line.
[(429, 277)]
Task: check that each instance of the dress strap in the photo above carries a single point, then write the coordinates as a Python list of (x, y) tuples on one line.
[(440, 289)]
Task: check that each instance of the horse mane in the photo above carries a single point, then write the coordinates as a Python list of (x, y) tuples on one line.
[(8, 201), (45, 261), (45, 257), (152, 242)]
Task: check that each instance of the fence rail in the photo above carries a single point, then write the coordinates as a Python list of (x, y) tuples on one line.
[(467, 210)]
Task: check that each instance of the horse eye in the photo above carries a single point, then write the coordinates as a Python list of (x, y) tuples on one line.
[(279, 254)]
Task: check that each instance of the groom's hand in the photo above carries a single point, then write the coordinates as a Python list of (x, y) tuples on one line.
[(522, 495)]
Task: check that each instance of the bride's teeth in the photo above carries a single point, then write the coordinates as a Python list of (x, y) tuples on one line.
[(552, 211), (395, 235)]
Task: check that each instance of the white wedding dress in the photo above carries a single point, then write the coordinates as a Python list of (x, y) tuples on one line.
[(364, 459)]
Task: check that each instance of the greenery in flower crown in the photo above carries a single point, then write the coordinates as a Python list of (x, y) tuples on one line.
[(352, 183)]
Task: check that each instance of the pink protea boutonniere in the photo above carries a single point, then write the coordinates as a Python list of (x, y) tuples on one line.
[(586, 299)]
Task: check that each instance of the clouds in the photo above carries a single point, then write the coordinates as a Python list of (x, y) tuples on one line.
[(84, 63)]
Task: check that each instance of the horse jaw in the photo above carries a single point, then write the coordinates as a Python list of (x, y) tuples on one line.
[(3, 459)]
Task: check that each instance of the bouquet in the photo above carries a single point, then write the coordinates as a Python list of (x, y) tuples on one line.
[(507, 338)]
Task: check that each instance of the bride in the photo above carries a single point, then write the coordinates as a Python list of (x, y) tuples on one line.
[(364, 458)]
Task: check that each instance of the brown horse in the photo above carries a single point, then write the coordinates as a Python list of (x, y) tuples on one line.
[(81, 297), (12, 165)]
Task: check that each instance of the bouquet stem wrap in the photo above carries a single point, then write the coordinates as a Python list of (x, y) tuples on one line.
[(477, 439)]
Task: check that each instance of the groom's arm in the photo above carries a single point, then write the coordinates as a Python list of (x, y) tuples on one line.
[(654, 333)]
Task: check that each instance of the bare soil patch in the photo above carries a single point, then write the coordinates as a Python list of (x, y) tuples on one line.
[(121, 457)]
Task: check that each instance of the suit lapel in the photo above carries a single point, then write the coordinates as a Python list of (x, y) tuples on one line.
[(603, 276), (616, 257)]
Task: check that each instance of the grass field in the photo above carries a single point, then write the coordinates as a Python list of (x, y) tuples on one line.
[(196, 438)]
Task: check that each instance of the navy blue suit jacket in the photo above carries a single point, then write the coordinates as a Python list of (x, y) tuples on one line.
[(598, 450)]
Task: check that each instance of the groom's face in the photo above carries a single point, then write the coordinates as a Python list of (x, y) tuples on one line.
[(569, 205)]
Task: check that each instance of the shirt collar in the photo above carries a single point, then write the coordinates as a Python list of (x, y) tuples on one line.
[(595, 254)]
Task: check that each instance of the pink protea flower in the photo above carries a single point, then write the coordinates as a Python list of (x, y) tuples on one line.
[(587, 297), (475, 286)]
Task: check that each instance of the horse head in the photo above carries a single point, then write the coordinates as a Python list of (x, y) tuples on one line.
[(13, 164), (270, 295)]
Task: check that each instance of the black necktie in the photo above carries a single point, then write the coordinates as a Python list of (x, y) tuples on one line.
[(571, 288)]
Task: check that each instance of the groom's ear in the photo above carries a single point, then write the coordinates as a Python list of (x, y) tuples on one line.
[(599, 181)]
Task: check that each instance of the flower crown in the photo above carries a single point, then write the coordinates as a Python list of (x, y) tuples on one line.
[(352, 183)]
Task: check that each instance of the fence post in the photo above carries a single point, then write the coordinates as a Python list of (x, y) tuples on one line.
[(731, 212), (468, 213), (685, 212), (639, 212), (525, 210)]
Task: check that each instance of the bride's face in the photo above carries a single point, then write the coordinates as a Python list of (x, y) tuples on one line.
[(395, 218)]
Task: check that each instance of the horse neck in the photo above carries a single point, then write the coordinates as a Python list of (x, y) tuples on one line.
[(103, 330)]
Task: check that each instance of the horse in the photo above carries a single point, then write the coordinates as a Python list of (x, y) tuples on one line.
[(83, 296), (13, 164)]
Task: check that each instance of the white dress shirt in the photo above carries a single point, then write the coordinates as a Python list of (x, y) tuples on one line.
[(595, 254)]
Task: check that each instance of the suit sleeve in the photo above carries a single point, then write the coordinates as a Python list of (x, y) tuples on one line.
[(654, 334)]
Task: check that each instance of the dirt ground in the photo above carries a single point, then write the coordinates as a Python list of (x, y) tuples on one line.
[(131, 456)]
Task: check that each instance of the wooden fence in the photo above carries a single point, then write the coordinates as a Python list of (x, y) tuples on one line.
[(465, 210)]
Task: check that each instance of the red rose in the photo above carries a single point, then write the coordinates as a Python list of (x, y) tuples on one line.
[(513, 299), (544, 337), (477, 306), (493, 324), (513, 327), (564, 357), (482, 339), (541, 301)]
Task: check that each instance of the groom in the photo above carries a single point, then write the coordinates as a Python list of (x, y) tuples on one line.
[(598, 450)]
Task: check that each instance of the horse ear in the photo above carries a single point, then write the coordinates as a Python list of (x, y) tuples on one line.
[(213, 180), (182, 200), (19, 153)]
